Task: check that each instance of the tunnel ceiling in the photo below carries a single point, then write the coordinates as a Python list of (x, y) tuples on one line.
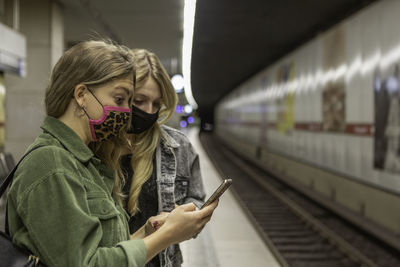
[(234, 39)]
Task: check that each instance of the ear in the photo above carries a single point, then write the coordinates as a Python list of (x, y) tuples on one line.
[(79, 94)]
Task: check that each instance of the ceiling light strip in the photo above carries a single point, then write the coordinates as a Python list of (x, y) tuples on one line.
[(188, 26)]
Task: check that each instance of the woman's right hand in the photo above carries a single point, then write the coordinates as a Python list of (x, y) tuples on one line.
[(185, 221)]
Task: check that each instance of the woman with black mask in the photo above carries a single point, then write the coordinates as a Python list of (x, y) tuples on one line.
[(162, 169)]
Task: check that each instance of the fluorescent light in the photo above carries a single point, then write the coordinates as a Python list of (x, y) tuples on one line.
[(177, 82), (188, 26)]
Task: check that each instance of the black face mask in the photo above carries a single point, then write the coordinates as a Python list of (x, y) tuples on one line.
[(141, 121)]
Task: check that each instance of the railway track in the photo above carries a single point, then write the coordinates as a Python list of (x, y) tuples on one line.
[(297, 230)]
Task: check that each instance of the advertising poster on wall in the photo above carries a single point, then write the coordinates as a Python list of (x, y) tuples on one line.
[(334, 108), (387, 121), (285, 104), (333, 96)]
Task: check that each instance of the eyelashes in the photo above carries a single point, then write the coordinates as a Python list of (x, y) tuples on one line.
[(141, 102), (137, 102), (119, 100)]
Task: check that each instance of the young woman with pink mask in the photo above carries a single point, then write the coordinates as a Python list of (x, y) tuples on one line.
[(64, 204)]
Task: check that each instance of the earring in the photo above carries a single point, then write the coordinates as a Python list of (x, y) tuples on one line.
[(84, 110), (80, 111)]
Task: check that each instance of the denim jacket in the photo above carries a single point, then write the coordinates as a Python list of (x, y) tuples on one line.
[(179, 181)]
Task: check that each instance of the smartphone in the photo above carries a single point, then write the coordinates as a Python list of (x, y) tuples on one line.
[(220, 190)]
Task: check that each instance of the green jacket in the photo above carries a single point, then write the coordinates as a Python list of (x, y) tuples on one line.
[(61, 206)]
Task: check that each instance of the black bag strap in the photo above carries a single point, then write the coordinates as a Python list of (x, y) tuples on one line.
[(3, 188), (7, 182), (10, 176)]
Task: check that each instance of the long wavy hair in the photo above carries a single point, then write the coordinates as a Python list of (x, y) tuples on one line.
[(143, 146), (91, 63)]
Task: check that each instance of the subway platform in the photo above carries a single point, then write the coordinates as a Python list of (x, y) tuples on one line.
[(229, 239)]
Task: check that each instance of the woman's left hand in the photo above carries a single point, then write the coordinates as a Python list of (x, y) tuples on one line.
[(152, 224), (155, 222)]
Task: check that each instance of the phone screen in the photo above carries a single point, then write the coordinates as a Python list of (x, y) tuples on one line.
[(217, 193)]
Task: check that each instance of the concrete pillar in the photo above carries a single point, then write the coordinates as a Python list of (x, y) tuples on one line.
[(42, 24)]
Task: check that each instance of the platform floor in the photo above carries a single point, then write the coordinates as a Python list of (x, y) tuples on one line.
[(229, 239)]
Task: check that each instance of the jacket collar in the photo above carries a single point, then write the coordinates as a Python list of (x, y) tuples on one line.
[(68, 138), (169, 140)]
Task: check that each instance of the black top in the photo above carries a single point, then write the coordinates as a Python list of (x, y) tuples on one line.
[(148, 200)]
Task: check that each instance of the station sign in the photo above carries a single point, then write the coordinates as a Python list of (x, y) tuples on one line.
[(12, 51)]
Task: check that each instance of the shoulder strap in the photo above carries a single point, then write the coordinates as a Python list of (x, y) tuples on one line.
[(7, 182), (10, 176)]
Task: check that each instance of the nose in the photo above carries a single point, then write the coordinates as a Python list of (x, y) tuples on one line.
[(148, 108)]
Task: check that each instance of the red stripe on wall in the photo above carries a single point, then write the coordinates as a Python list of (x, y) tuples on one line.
[(360, 129), (311, 126)]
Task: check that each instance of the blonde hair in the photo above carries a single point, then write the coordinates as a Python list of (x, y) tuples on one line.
[(91, 63), (144, 145)]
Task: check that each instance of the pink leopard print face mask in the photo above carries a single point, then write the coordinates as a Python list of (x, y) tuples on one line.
[(110, 123)]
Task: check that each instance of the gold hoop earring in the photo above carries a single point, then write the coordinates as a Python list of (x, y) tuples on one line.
[(84, 111), (80, 111)]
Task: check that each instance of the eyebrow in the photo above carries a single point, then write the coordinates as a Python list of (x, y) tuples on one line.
[(145, 96), (127, 91)]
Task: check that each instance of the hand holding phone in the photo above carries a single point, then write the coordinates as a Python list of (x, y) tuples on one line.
[(220, 190)]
